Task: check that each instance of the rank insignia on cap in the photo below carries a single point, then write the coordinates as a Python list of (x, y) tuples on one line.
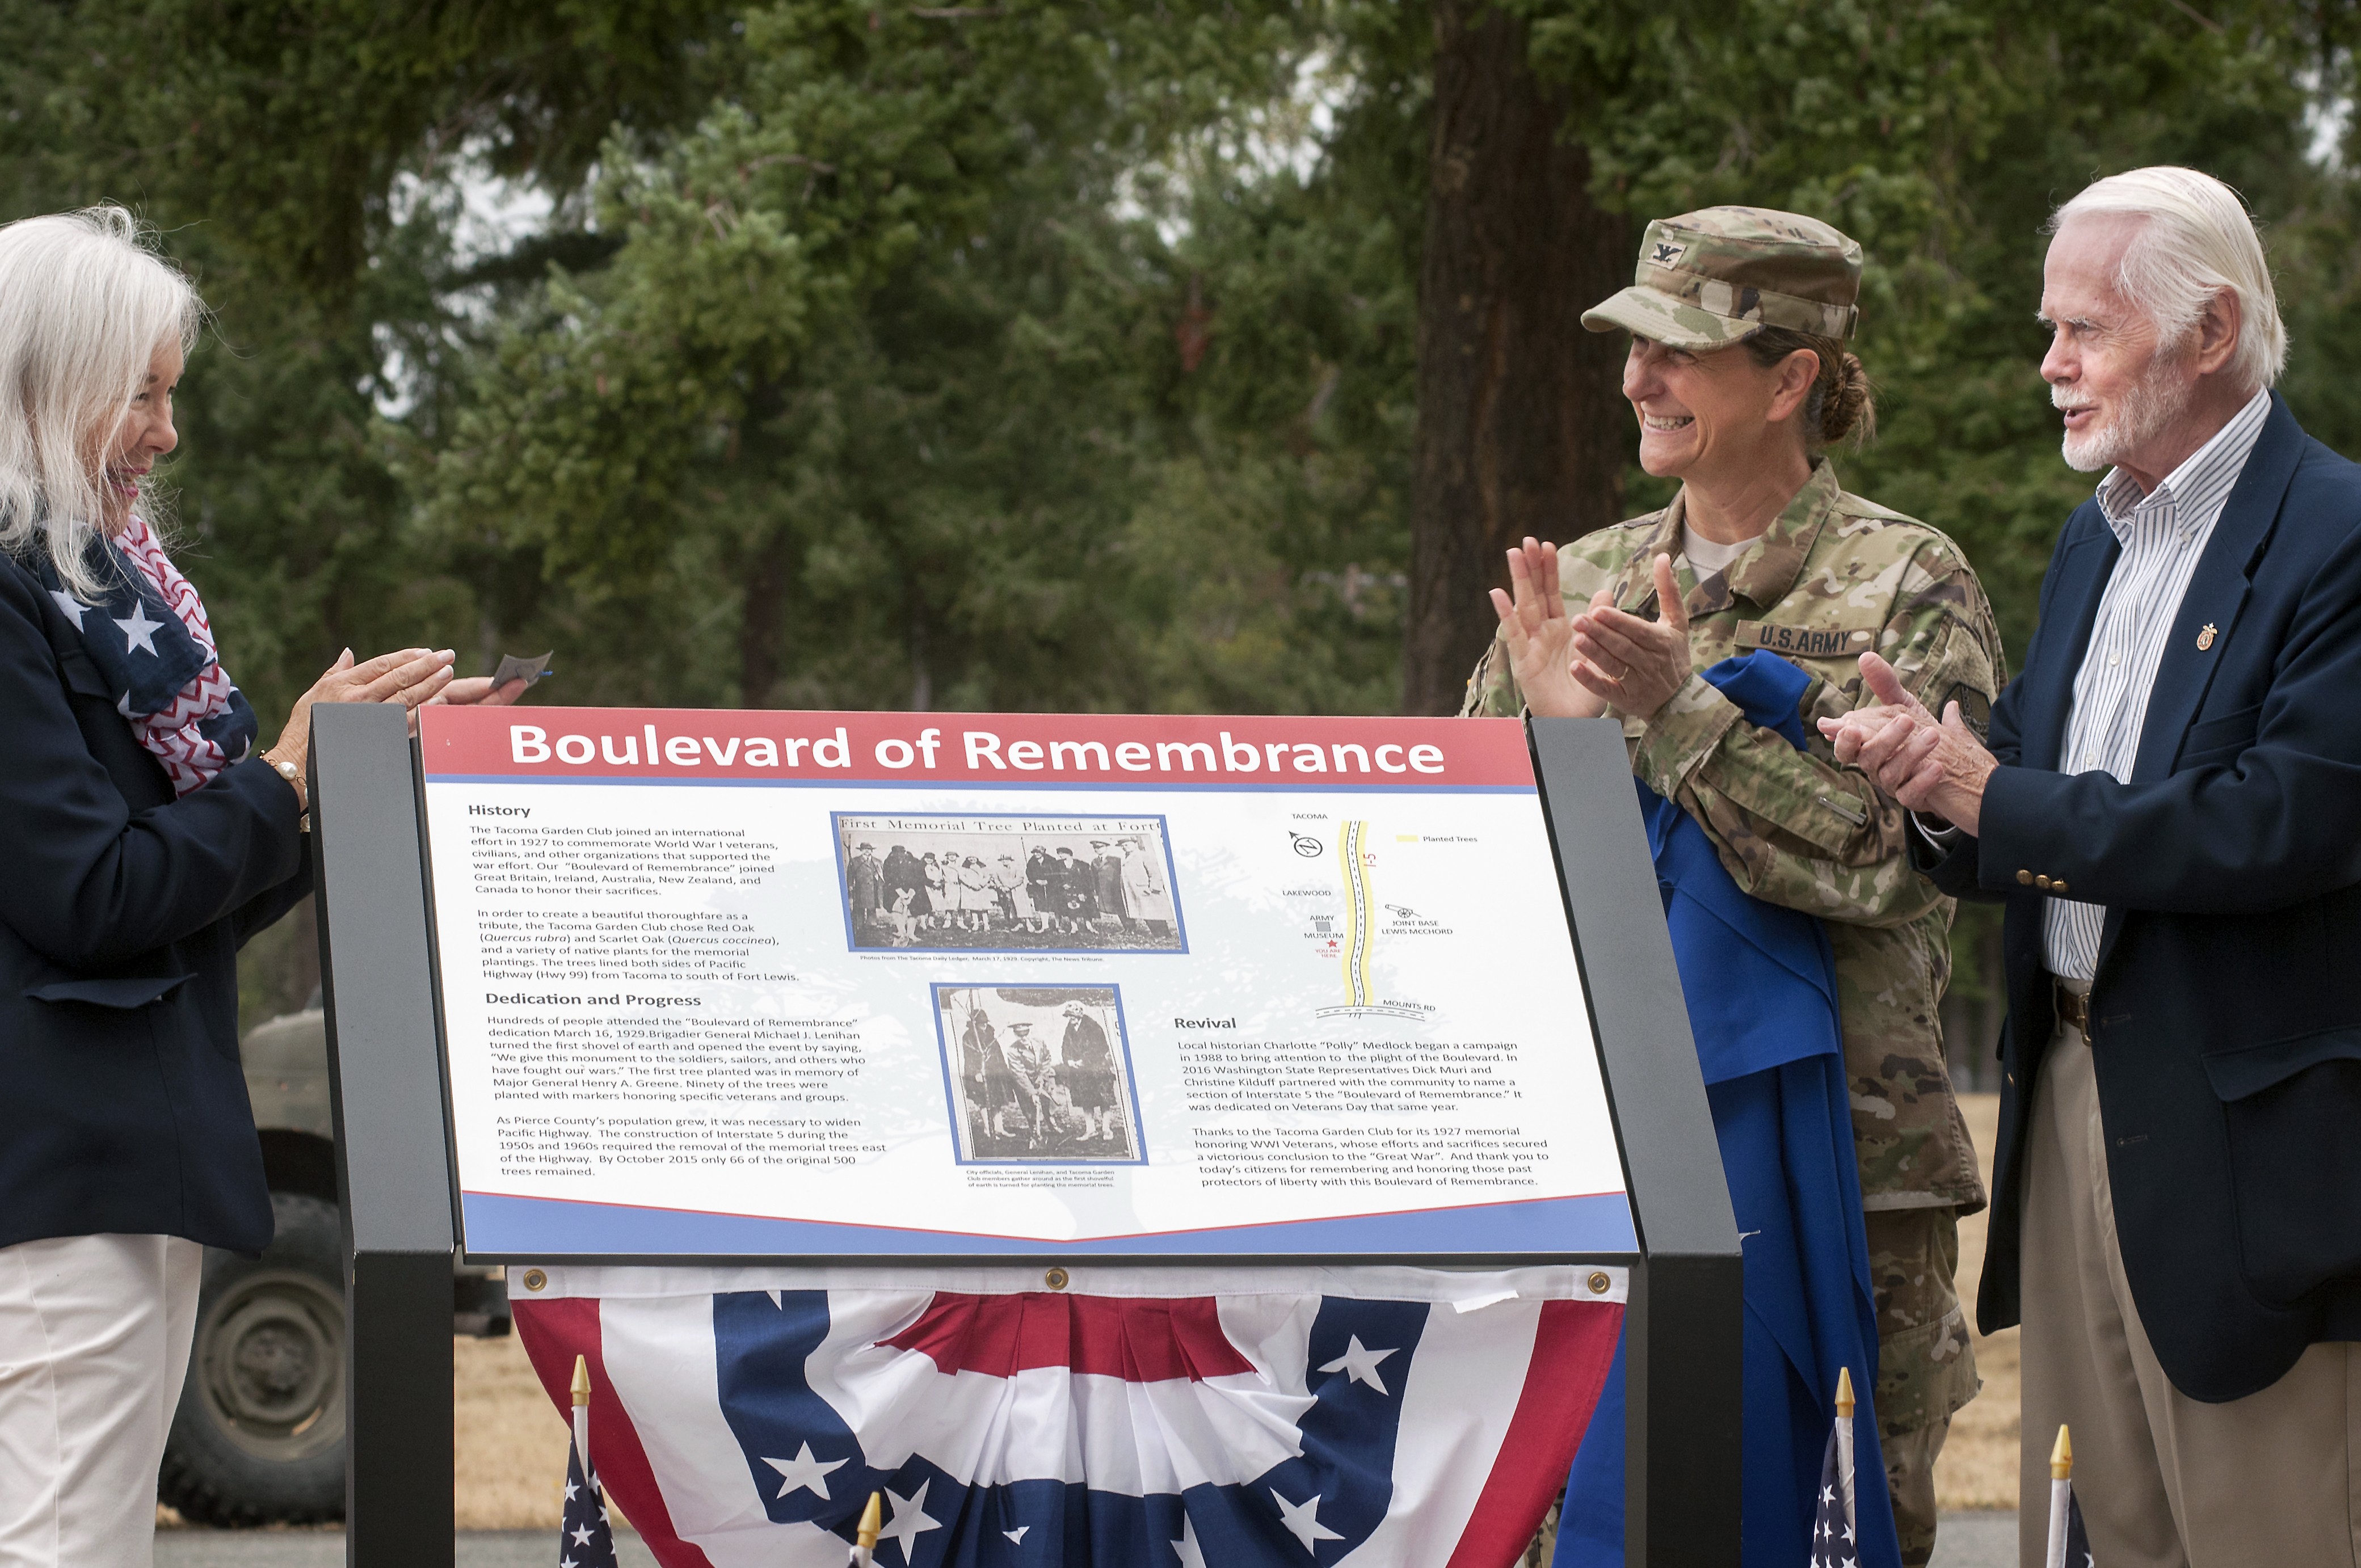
[(2205, 638), (1667, 254)]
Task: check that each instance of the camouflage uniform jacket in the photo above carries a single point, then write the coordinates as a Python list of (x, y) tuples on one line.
[(1834, 577)]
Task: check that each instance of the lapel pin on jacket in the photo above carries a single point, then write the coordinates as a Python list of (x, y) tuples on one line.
[(2205, 638)]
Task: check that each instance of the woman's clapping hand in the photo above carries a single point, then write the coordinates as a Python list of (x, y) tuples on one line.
[(1633, 665), (478, 691), (411, 676), (1541, 636)]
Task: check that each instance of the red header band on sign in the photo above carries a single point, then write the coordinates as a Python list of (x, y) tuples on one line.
[(619, 744)]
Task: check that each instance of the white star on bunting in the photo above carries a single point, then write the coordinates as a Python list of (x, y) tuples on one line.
[(1360, 1365), (805, 1471), (1016, 1536), (909, 1521), (582, 1535), (1192, 1554), (1302, 1520), (139, 632)]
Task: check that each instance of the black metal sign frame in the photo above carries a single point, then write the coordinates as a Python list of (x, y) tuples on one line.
[(395, 1171)]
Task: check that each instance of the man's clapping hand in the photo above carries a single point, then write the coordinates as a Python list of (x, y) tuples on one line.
[(1930, 765)]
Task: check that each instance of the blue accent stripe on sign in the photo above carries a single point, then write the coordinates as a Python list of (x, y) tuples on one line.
[(550, 1228)]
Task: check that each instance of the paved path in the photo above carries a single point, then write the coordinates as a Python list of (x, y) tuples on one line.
[(325, 1548), (1976, 1541), (1968, 1540)]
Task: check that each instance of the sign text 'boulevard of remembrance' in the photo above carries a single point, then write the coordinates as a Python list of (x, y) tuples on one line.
[(856, 984)]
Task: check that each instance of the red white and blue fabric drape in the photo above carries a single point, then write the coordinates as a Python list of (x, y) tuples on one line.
[(1230, 1417)]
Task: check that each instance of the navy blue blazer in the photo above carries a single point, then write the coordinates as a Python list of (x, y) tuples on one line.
[(2225, 1018), (123, 1106)]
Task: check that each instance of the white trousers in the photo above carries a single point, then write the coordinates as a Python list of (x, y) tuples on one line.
[(94, 1335)]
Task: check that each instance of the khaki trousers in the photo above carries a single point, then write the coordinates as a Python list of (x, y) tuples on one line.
[(2164, 1480), (94, 1335)]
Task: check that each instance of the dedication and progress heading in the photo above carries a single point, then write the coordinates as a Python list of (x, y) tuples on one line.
[(880, 984)]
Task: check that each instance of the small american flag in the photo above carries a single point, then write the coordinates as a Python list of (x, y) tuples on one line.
[(587, 1539), (1833, 1542), (1832, 1529), (2078, 1541), (2069, 1544)]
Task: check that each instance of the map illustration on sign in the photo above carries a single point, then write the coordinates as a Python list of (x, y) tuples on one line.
[(1172, 986)]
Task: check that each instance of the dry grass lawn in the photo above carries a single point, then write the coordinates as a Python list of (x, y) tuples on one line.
[(510, 1453), (510, 1458), (1978, 1469)]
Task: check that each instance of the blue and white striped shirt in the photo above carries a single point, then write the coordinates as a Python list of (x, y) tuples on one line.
[(2163, 535)]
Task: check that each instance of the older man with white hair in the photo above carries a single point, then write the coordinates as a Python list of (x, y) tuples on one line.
[(2169, 805)]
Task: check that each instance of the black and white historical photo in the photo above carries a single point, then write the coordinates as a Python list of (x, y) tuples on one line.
[(1008, 883), (1038, 1074)]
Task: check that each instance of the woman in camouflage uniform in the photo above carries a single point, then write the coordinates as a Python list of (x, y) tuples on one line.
[(1739, 380)]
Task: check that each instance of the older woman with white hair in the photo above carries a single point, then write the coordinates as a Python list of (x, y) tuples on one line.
[(146, 833)]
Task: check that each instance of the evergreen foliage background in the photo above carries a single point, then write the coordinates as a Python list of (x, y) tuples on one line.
[(1044, 354)]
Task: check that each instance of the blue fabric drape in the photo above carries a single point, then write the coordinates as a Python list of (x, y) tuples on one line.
[(1760, 982)]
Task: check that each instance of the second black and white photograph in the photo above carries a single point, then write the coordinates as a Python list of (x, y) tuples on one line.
[(1038, 1075)]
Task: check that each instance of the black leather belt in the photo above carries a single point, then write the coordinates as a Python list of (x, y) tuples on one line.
[(2073, 1007)]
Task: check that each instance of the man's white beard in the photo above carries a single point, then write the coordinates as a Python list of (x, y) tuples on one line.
[(2148, 410)]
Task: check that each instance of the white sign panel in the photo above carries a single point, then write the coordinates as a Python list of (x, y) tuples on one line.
[(749, 984)]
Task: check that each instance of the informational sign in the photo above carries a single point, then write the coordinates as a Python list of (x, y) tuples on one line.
[(746, 983)]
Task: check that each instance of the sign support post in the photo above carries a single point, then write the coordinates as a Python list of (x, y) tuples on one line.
[(1683, 1326), (385, 1076)]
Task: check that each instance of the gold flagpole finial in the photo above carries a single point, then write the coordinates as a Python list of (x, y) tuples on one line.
[(2061, 1458), (581, 1380), (1844, 1391), (873, 1519)]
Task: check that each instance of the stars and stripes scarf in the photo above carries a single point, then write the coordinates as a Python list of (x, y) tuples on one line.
[(149, 639)]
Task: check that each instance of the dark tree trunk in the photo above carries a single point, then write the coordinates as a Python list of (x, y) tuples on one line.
[(762, 624), (1520, 426)]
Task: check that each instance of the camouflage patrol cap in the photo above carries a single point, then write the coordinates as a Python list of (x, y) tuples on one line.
[(1720, 275)]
